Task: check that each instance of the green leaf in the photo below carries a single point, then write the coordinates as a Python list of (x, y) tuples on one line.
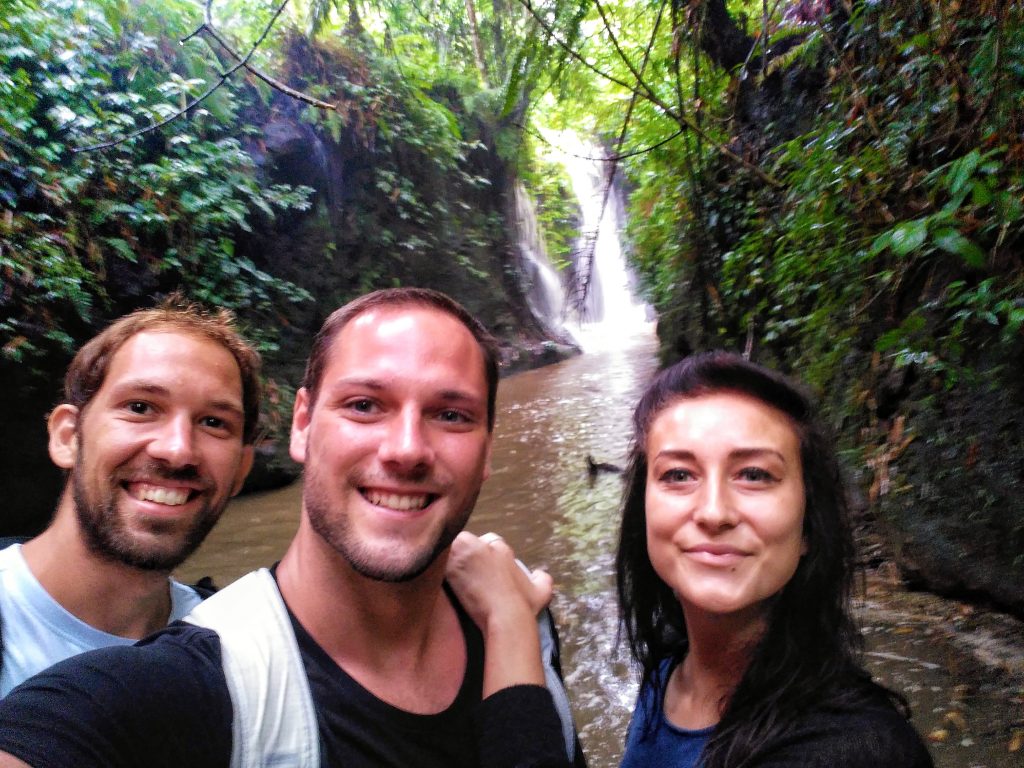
[(981, 193), (123, 248), (908, 236), (961, 170), (951, 241)]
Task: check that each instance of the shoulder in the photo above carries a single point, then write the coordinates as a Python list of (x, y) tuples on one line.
[(178, 657), (868, 732), (184, 598), (10, 554), (125, 706)]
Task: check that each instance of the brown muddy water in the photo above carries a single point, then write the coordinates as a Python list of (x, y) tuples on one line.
[(961, 672)]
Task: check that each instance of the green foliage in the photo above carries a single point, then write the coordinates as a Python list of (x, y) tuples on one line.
[(900, 217), (87, 234)]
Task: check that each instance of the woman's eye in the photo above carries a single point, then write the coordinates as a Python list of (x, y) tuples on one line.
[(676, 475), (139, 408), (756, 475)]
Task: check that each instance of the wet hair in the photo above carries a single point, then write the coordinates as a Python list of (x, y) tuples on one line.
[(89, 367), (393, 298), (810, 646)]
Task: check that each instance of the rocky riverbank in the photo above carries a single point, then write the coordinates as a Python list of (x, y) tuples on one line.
[(960, 665)]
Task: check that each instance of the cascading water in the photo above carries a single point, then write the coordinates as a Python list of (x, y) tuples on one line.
[(544, 291), (611, 312)]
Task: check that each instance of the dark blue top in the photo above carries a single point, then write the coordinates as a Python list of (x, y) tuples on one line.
[(864, 730), (652, 741)]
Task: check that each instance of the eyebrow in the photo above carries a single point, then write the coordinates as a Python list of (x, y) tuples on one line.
[(128, 388), (739, 453), (377, 385), (455, 395)]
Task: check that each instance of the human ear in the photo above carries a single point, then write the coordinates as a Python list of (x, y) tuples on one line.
[(300, 426), (62, 426), (487, 457), (244, 466)]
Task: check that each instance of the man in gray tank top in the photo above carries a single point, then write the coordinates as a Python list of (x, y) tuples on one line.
[(155, 433)]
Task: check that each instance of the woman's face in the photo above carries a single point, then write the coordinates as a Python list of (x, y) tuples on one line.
[(725, 502)]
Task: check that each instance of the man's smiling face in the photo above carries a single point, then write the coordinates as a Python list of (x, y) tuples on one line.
[(157, 453), (396, 445)]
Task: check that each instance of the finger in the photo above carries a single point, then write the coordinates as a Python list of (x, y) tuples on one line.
[(543, 589), (491, 537), (464, 542)]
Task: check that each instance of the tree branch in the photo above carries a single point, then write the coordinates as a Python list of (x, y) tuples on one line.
[(241, 62), (644, 92), (587, 263)]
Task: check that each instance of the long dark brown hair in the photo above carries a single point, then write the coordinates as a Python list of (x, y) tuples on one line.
[(811, 644)]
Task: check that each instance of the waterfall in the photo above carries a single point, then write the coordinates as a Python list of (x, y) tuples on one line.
[(611, 312), (544, 291)]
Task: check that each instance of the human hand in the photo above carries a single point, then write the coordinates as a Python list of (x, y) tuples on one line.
[(491, 584), (503, 598)]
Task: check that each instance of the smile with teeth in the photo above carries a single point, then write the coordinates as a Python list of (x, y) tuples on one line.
[(172, 497), (403, 502)]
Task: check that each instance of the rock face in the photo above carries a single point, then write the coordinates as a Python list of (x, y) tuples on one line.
[(953, 505)]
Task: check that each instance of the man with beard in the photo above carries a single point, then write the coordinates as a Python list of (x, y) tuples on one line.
[(156, 433), (352, 651)]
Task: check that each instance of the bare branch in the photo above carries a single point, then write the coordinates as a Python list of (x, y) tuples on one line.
[(585, 269), (550, 31), (272, 82), (644, 92), (241, 62), (157, 126), (603, 158)]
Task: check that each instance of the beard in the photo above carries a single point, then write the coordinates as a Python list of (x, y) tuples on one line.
[(107, 534), (392, 562)]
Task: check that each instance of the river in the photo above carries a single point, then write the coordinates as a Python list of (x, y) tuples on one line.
[(541, 498)]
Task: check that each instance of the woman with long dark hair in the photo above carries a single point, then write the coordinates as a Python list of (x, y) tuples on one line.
[(734, 576)]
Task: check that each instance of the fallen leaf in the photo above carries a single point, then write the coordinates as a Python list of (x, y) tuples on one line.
[(1016, 741), (955, 718)]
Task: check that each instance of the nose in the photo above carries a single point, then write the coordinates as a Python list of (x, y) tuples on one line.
[(715, 510), (406, 443), (174, 442)]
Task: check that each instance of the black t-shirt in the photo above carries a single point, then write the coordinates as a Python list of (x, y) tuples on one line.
[(165, 702)]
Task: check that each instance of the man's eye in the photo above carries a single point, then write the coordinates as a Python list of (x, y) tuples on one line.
[(453, 417), (214, 422), (363, 405), (139, 408)]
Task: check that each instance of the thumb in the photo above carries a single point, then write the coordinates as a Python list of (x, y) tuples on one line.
[(543, 587)]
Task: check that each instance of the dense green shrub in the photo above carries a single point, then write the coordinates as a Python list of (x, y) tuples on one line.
[(87, 234)]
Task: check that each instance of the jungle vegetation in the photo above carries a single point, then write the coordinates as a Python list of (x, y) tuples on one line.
[(834, 187)]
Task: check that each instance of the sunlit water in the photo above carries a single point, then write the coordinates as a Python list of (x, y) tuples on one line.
[(542, 500)]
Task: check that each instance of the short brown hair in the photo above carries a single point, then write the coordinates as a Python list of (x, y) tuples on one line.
[(399, 297), (89, 367)]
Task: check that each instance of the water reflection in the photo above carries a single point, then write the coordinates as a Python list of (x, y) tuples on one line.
[(545, 503)]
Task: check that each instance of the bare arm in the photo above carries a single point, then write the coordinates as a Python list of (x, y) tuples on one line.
[(9, 761), (503, 600)]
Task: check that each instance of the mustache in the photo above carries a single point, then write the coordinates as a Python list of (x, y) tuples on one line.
[(159, 471)]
